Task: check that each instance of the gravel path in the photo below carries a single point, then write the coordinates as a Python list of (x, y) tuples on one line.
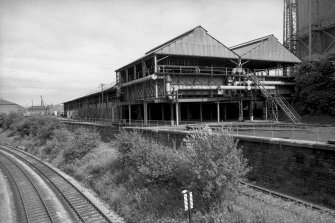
[(6, 206)]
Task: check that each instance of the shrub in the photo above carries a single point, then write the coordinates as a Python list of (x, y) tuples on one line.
[(10, 119), (154, 163), (59, 142), (216, 166), (48, 126), (210, 165), (40, 128), (83, 142), (2, 119)]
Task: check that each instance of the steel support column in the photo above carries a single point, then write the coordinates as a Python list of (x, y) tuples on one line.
[(251, 110), (145, 111), (265, 110), (113, 114), (172, 115), (129, 114), (225, 111), (240, 111), (163, 113), (177, 114), (200, 112), (218, 111)]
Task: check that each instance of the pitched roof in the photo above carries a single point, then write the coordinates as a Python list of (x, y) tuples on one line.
[(4, 102), (195, 42), (266, 48)]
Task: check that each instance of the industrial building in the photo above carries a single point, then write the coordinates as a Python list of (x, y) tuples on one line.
[(309, 28), (36, 110), (195, 78)]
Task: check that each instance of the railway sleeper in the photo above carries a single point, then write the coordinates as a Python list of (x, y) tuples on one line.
[(77, 196), (78, 202), (88, 213), (34, 206)]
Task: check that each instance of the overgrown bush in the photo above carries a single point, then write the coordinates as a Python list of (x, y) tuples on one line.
[(47, 129), (40, 127), (10, 119), (210, 165), (83, 142), (2, 119), (216, 164), (27, 126), (61, 139), (155, 163)]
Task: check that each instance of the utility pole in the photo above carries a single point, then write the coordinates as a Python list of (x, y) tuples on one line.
[(310, 34)]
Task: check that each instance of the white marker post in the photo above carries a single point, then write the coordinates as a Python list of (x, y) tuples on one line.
[(188, 203)]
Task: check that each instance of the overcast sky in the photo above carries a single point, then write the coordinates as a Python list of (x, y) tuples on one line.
[(64, 48)]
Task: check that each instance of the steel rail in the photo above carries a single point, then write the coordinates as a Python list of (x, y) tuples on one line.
[(28, 179), (63, 188), (287, 198), (14, 183)]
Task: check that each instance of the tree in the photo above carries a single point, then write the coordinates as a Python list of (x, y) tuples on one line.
[(315, 87)]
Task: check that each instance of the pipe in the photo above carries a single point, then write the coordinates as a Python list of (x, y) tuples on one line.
[(222, 87), (143, 79), (267, 83), (207, 87), (168, 87), (195, 87), (276, 83), (215, 87), (156, 89)]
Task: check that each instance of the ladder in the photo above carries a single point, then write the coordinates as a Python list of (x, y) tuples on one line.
[(275, 99)]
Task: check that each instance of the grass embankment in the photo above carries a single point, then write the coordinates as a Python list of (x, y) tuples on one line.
[(142, 180)]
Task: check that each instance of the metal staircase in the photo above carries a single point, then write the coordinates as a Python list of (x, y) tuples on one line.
[(274, 99)]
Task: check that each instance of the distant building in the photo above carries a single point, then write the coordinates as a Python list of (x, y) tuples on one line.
[(36, 110), (8, 107), (55, 110)]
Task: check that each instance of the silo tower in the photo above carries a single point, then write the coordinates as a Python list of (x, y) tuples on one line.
[(309, 27)]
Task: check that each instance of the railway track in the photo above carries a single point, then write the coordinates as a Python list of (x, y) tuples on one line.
[(31, 197), (73, 199), (260, 193)]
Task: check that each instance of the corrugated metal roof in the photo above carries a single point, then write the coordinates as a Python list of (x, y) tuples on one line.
[(196, 42), (267, 49)]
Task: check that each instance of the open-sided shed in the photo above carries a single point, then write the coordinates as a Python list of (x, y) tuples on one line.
[(194, 77)]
